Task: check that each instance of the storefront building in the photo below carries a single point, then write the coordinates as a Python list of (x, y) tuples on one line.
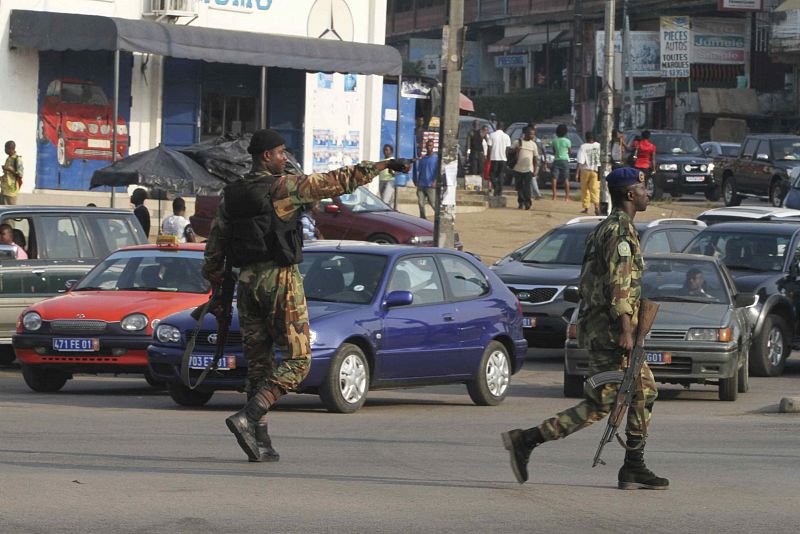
[(179, 72)]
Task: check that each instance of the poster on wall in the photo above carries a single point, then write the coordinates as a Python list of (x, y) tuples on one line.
[(645, 53), (74, 127), (335, 117), (718, 41), (675, 47)]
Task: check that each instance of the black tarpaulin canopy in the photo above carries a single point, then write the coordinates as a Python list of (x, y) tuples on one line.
[(67, 31), (160, 169)]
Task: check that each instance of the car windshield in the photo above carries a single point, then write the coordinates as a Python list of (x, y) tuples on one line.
[(668, 279), (83, 93), (343, 277), (676, 144), (562, 246), (786, 149), (742, 251), (360, 201), (148, 270)]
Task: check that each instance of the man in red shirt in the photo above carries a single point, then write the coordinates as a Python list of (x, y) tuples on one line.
[(645, 154)]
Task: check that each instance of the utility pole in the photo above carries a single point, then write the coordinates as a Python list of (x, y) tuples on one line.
[(452, 41), (629, 103), (607, 98)]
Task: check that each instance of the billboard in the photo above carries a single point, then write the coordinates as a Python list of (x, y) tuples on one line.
[(719, 41), (675, 47), (645, 55)]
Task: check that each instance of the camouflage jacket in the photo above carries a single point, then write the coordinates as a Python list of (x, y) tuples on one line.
[(289, 193), (611, 278)]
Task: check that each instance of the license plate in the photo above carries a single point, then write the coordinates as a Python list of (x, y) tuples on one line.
[(98, 143), (695, 178), (72, 344), (201, 361), (528, 322), (658, 358)]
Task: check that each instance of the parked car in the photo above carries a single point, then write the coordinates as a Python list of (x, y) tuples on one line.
[(464, 127), (792, 198), (546, 132), (381, 316), (701, 335), (763, 258), (539, 272), (748, 213), (765, 168), (76, 117), (105, 322), (62, 243), (682, 166)]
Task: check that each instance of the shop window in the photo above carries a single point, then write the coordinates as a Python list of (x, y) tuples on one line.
[(223, 114)]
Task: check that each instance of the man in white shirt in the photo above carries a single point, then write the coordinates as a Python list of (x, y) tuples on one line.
[(178, 225), (499, 142), (525, 168), (587, 171)]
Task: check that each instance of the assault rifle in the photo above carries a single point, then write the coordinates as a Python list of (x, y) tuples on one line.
[(220, 305), (629, 379)]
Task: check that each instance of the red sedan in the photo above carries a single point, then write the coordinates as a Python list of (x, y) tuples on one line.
[(104, 323)]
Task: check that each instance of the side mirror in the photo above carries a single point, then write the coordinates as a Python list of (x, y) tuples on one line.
[(707, 150), (744, 300), (571, 294), (69, 284), (398, 298), (332, 208)]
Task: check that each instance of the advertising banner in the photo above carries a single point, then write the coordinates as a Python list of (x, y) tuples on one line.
[(741, 5), (718, 41), (645, 56), (675, 33)]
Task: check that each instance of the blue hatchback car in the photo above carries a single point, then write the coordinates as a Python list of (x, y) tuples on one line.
[(382, 316)]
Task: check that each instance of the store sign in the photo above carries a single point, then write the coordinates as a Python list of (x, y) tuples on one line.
[(645, 58), (741, 5), (675, 33), (509, 61), (652, 90), (242, 6), (718, 41)]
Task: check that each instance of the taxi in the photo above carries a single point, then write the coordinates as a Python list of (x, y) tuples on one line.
[(105, 321)]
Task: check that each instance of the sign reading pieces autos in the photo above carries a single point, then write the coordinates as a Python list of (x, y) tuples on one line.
[(675, 47), (718, 41)]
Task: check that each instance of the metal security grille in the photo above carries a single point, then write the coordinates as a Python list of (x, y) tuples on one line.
[(666, 334), (77, 326), (536, 294), (234, 338)]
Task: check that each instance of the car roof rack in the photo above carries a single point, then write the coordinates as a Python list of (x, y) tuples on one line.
[(676, 220), (587, 218)]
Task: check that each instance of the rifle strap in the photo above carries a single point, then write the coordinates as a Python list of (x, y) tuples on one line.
[(187, 355)]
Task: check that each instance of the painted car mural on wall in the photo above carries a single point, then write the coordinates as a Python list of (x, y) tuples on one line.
[(76, 117)]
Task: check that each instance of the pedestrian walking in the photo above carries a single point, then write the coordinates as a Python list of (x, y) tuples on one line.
[(177, 224), (610, 290), (256, 228), (499, 142), (588, 173), (141, 212), (475, 145), (386, 177), (644, 153), (541, 167), (525, 168), (425, 179), (617, 149), (561, 145), (13, 171)]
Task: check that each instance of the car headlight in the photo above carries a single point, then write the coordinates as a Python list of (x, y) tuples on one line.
[(704, 168), (93, 128), (134, 322), (668, 167), (312, 337), (105, 128), (709, 334), (76, 126), (166, 333), (32, 321), (421, 240), (122, 129)]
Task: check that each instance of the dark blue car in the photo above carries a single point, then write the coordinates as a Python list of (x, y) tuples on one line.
[(381, 316)]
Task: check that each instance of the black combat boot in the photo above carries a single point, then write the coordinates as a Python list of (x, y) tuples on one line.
[(243, 425), (634, 474), (266, 452), (520, 443)]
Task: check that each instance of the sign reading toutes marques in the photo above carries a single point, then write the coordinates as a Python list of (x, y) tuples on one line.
[(675, 47)]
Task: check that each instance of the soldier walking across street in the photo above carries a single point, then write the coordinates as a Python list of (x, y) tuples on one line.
[(257, 229), (610, 290)]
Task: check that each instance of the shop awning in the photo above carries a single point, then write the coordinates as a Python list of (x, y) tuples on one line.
[(464, 103), (537, 40), (67, 31)]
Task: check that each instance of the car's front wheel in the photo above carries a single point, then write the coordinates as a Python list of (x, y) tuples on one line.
[(383, 239), (61, 152), (188, 397), (729, 194), (770, 348), (728, 388), (345, 388), (43, 380), (713, 194), (490, 385), (653, 189), (776, 193)]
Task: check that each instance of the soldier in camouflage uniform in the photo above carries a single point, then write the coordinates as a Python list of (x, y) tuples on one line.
[(610, 290), (271, 300)]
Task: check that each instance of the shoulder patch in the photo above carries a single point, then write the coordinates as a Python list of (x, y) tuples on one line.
[(624, 249)]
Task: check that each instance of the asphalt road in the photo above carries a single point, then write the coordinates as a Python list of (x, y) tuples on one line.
[(112, 455)]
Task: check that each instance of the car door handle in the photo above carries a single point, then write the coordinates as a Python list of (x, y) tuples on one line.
[(38, 272), (448, 317)]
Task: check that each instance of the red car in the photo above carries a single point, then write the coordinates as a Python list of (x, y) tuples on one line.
[(104, 323), (76, 117)]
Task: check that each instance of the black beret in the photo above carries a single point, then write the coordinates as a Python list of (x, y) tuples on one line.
[(264, 140)]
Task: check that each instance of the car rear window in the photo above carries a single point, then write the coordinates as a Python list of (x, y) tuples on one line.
[(116, 232), (741, 250)]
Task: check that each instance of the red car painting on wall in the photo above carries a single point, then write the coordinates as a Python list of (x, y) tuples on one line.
[(76, 117)]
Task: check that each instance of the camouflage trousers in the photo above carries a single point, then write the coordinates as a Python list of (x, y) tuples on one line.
[(273, 313), (598, 402)]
